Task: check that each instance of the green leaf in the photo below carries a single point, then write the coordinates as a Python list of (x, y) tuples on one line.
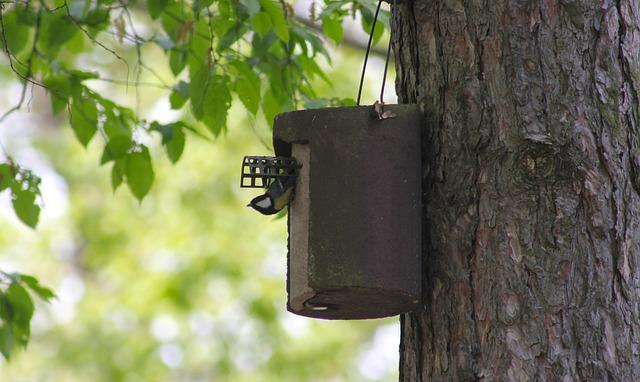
[(198, 86), (249, 94), (317, 44), (24, 204), (78, 8), (261, 23), (270, 107), (277, 19), (6, 337), (198, 46), (210, 99), (311, 67), (199, 5), (346, 102), (97, 20), (229, 38), (156, 7), (165, 130), (22, 309), (117, 172), (179, 95), (218, 101), (6, 176), (332, 28), (59, 89), (6, 334), (56, 31), (175, 146), (117, 121), (247, 87), (139, 172), (84, 74), (378, 32), (173, 138), (33, 284), (177, 60), (116, 148), (84, 119), (16, 33), (253, 6)]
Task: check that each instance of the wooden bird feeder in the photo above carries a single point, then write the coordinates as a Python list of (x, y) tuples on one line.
[(355, 220)]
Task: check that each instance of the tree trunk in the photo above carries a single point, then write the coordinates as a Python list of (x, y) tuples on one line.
[(531, 188)]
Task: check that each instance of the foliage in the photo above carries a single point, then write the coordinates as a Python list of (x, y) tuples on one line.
[(16, 309), (253, 50)]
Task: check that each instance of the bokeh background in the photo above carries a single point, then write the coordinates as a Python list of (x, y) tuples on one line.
[(188, 285)]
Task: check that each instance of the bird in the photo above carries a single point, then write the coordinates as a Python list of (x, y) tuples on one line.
[(276, 198)]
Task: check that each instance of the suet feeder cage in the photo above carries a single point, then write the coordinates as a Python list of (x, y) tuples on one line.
[(261, 171), (355, 219)]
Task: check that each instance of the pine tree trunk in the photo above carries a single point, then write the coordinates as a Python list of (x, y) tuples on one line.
[(531, 188)]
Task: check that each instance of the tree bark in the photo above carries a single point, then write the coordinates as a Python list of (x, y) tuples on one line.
[(531, 158)]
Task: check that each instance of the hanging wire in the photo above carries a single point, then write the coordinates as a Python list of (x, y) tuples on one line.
[(366, 56), (386, 67)]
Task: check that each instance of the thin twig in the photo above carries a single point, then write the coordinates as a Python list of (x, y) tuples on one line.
[(113, 52), (127, 83), (26, 78)]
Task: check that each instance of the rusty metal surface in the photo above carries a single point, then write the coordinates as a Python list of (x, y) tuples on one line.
[(363, 253)]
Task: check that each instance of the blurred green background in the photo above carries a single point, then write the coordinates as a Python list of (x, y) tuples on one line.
[(189, 285)]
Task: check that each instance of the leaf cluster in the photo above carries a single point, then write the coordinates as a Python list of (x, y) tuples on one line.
[(16, 309), (255, 51), (25, 191)]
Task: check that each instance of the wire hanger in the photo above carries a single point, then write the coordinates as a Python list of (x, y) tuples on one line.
[(366, 57)]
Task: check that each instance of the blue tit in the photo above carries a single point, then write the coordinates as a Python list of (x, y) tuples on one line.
[(276, 198)]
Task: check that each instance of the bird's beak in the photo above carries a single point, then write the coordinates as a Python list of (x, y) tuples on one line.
[(249, 205)]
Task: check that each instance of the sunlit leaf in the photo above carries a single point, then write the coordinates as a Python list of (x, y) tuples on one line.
[(16, 33), (117, 174), (253, 6), (24, 204), (6, 335), (247, 87), (6, 176), (175, 146), (116, 148), (156, 7), (199, 5), (278, 20), (57, 29), (33, 284), (261, 23), (210, 99), (177, 60), (139, 172), (59, 90), (179, 95), (270, 107), (22, 310), (332, 28), (84, 119)]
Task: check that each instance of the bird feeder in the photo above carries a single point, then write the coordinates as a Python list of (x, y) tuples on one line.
[(354, 248)]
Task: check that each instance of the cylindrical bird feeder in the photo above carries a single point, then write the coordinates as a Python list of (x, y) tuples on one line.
[(355, 219)]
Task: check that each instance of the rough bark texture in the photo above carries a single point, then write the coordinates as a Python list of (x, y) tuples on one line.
[(531, 181)]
